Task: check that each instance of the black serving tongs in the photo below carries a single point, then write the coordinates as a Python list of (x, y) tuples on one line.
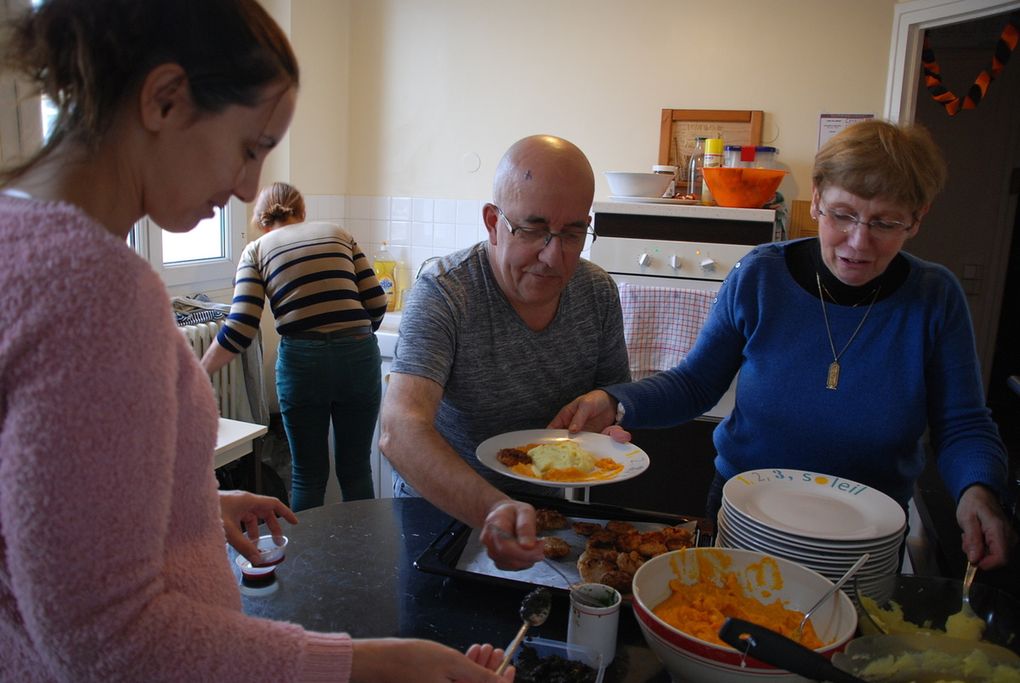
[(778, 650)]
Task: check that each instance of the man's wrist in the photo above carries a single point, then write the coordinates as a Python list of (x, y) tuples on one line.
[(620, 412)]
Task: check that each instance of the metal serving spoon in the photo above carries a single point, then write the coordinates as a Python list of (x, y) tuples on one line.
[(799, 631), (968, 579), (535, 610)]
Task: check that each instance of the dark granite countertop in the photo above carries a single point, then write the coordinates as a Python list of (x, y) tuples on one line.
[(350, 567)]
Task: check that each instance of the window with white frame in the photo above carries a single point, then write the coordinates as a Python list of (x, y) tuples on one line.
[(200, 260)]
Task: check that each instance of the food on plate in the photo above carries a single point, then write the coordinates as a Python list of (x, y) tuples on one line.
[(549, 520), (612, 558), (513, 456), (701, 608), (531, 668), (562, 460), (555, 548)]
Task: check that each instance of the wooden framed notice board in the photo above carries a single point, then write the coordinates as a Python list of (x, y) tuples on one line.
[(678, 128)]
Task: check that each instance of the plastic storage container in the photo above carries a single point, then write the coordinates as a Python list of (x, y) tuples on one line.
[(731, 156), (545, 648), (765, 157)]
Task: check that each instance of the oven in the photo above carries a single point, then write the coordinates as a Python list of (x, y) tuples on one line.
[(677, 246), (686, 247)]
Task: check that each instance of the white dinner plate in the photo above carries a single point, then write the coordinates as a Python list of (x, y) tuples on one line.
[(814, 505), (653, 200), (634, 460)]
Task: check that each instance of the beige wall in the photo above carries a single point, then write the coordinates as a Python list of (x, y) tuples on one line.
[(400, 97)]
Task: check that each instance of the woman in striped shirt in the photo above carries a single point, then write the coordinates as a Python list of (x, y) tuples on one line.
[(327, 303)]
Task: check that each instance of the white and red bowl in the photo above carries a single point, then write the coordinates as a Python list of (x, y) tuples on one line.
[(689, 658)]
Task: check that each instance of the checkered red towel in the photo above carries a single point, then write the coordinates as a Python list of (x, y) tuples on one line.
[(661, 324)]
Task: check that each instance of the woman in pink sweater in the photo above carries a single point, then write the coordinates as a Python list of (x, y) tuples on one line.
[(112, 560)]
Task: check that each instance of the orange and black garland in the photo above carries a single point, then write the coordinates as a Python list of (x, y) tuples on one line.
[(933, 75)]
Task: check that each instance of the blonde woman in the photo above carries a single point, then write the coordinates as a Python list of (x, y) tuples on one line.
[(327, 303)]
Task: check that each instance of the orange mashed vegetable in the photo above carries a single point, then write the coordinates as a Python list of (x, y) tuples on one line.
[(699, 609)]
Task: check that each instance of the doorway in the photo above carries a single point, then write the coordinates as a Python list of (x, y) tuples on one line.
[(972, 226)]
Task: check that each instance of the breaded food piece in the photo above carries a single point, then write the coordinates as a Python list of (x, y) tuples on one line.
[(555, 548), (605, 553), (677, 538), (618, 579), (651, 549), (653, 537), (629, 562), (585, 528), (547, 520), (602, 538), (592, 569), (620, 527), (626, 543), (513, 456)]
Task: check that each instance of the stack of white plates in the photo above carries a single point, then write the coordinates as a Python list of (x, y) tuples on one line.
[(817, 520)]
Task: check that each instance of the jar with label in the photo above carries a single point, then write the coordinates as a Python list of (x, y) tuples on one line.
[(731, 156), (713, 159), (672, 172), (765, 157), (695, 177)]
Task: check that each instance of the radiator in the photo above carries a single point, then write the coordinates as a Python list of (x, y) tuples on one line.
[(228, 382)]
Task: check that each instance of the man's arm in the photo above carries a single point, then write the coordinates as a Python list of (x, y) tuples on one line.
[(419, 453)]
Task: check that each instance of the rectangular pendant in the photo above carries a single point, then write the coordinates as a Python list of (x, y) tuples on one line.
[(833, 379)]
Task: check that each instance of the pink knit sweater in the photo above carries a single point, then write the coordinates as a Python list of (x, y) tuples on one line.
[(112, 558)]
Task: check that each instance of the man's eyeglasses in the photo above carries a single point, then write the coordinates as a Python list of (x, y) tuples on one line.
[(879, 228), (571, 239)]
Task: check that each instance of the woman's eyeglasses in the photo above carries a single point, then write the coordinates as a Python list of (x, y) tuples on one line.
[(571, 239), (879, 227)]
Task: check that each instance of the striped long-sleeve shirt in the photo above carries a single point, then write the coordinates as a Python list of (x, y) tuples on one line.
[(316, 278)]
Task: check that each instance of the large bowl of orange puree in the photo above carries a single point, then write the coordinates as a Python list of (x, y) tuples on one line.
[(682, 598)]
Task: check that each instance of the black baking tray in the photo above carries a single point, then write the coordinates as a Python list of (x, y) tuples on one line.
[(444, 553)]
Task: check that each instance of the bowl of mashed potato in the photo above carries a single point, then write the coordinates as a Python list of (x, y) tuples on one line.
[(910, 604)]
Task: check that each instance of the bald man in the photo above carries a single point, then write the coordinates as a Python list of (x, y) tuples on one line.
[(496, 338)]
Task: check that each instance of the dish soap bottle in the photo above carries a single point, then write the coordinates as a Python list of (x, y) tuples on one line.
[(386, 271)]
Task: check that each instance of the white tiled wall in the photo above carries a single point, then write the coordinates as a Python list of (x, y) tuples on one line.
[(414, 228)]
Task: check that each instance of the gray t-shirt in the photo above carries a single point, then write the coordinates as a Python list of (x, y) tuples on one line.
[(459, 330)]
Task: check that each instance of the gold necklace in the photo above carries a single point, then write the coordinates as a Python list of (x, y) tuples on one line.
[(832, 378)]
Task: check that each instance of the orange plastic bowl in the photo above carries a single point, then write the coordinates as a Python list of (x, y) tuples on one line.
[(743, 188)]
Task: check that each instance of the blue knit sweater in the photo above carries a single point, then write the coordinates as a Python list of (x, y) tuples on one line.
[(911, 367)]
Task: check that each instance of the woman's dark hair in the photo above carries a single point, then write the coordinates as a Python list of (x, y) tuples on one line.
[(86, 56)]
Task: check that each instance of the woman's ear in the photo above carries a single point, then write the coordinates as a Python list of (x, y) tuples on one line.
[(164, 97)]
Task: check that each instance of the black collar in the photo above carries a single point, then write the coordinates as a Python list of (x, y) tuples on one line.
[(804, 260)]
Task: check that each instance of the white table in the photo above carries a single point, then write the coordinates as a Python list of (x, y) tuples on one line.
[(234, 440)]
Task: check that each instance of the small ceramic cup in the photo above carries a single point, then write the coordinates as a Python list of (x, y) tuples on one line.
[(595, 627)]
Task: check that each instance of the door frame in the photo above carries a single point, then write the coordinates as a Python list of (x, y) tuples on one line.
[(910, 19)]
